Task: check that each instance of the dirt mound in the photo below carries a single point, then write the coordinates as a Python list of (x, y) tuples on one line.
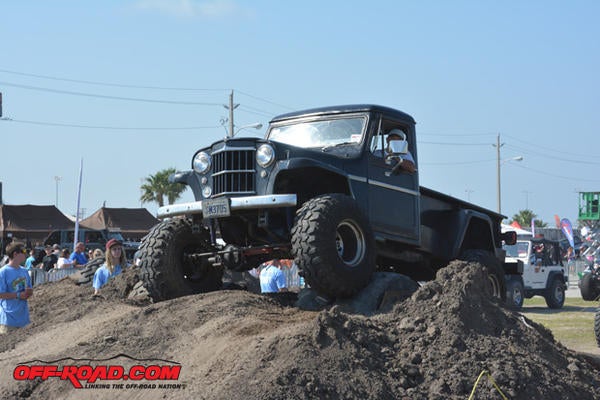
[(239, 345)]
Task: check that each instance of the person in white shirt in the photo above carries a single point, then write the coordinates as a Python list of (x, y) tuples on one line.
[(63, 260)]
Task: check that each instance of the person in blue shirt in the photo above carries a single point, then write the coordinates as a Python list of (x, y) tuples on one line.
[(15, 289), (114, 264), (30, 261), (78, 256), (272, 279)]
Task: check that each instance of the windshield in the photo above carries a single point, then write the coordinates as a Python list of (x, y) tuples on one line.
[(518, 250), (321, 133), (115, 235)]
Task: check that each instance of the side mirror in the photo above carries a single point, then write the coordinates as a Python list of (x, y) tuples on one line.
[(398, 146), (509, 237)]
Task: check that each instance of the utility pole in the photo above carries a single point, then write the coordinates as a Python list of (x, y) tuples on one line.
[(498, 145), (231, 107)]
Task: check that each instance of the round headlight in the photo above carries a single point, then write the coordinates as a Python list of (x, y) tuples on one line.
[(201, 162), (206, 192), (265, 155)]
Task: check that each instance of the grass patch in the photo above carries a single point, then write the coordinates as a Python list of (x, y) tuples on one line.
[(572, 325)]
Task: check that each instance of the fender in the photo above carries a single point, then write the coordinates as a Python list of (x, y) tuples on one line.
[(553, 275), (304, 162), (474, 232)]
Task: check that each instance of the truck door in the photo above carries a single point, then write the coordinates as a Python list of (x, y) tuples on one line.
[(393, 198)]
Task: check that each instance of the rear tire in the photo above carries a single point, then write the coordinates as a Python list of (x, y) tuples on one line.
[(515, 294), (497, 285), (333, 245), (597, 326), (169, 268), (555, 294)]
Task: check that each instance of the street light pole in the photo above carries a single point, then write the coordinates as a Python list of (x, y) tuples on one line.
[(499, 162), (57, 179), (256, 125)]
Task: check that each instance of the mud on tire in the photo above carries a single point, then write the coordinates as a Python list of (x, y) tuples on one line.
[(494, 268), (168, 267), (333, 245)]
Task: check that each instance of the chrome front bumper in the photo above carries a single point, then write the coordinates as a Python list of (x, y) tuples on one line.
[(236, 203)]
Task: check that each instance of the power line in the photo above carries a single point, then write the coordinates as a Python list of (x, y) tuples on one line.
[(107, 127), (557, 176), (266, 101), (552, 157), (110, 97), (536, 145), (455, 143), (108, 83)]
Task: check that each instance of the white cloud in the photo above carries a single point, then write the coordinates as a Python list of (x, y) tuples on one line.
[(194, 8)]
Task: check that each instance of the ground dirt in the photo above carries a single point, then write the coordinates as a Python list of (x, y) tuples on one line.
[(239, 345)]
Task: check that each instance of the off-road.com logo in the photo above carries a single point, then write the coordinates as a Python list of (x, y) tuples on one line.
[(87, 375)]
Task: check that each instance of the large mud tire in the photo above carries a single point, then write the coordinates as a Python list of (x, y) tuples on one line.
[(87, 273), (588, 287), (497, 283), (597, 326), (333, 245), (168, 267)]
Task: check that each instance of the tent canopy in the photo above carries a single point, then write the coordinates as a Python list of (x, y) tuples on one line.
[(29, 219), (133, 223), (29, 223)]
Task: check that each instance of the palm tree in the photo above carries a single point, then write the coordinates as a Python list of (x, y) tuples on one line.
[(157, 187), (524, 218)]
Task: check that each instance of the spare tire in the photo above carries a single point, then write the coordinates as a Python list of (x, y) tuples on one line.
[(86, 275), (588, 287)]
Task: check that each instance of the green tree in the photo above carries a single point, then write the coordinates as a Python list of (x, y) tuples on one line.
[(156, 187), (524, 218)]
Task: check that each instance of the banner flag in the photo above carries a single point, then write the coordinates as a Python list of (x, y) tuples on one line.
[(557, 221), (567, 229), (533, 227)]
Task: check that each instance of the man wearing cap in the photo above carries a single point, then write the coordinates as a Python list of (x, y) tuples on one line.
[(78, 256), (114, 264), (49, 260), (15, 289)]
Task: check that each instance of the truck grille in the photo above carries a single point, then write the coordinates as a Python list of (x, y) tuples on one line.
[(233, 172)]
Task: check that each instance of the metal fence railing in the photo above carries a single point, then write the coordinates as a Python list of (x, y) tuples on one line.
[(576, 269), (39, 276)]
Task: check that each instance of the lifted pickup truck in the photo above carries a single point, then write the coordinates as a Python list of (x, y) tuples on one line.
[(543, 272), (324, 188)]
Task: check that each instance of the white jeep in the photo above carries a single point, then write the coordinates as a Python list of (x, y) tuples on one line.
[(543, 272)]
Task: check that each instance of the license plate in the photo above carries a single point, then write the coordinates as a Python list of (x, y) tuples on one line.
[(215, 208)]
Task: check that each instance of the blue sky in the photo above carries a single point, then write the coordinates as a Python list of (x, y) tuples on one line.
[(467, 71)]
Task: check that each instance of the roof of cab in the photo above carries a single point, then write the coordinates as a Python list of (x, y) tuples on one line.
[(350, 108)]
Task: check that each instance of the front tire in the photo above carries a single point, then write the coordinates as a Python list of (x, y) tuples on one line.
[(333, 245), (169, 268), (555, 294), (588, 287), (497, 285)]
